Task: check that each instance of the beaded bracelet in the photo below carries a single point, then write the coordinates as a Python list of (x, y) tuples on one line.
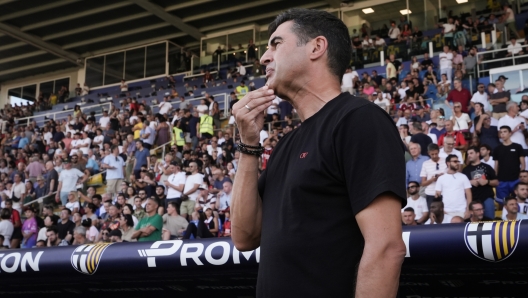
[(251, 150)]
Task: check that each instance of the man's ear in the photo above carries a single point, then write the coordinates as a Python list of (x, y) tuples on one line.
[(319, 46)]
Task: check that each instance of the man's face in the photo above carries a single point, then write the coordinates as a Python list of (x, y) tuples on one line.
[(413, 189), (477, 212), (453, 164), (434, 155), (449, 126), (484, 152), (170, 209), (415, 151), (504, 134), (522, 192), (408, 217), (436, 208), (150, 206), (159, 191), (106, 206), (281, 66), (473, 156), (142, 194), (512, 206), (64, 215), (523, 177), (449, 144), (407, 114), (52, 236)]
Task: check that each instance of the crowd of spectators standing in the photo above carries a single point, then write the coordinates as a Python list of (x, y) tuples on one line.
[(183, 194)]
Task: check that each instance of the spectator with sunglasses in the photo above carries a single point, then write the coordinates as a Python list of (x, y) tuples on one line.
[(431, 170), (417, 202)]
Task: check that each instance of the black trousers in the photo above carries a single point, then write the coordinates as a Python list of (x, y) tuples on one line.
[(198, 232)]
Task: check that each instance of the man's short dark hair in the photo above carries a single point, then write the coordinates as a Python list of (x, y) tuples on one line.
[(408, 209), (153, 199), (450, 157), (473, 203), (475, 148), (174, 204), (53, 229), (506, 127), (97, 196), (509, 198), (309, 24), (488, 147), (415, 182), (67, 210), (480, 104), (432, 147), (417, 126), (519, 184)]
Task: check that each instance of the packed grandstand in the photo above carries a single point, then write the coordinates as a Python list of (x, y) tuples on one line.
[(156, 158)]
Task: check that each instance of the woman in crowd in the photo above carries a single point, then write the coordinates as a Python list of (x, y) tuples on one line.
[(91, 231), (126, 223), (128, 209)]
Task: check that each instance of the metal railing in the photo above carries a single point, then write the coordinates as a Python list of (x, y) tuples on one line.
[(481, 68), (53, 115)]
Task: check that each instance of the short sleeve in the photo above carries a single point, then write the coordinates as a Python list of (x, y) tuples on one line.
[(467, 184), (438, 185), (372, 170), (520, 150), (422, 171), (425, 208), (158, 222), (490, 173)]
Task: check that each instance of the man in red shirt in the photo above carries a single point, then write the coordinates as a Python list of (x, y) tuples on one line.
[(17, 224), (460, 141), (459, 94)]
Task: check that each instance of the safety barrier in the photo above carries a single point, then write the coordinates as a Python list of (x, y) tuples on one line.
[(484, 259)]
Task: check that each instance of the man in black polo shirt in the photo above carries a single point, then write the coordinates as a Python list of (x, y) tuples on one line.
[(411, 93), (319, 178), (483, 179)]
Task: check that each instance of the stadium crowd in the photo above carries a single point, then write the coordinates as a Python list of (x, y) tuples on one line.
[(457, 169)]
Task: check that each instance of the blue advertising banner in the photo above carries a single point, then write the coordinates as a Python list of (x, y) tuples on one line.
[(455, 260)]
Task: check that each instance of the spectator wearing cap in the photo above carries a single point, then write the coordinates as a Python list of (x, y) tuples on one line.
[(175, 183), (115, 170), (205, 199), (68, 179), (174, 225), (149, 227)]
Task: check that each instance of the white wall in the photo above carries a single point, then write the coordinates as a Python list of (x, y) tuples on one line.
[(72, 73)]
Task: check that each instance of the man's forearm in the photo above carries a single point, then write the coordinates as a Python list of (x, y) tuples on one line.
[(246, 205), (379, 271)]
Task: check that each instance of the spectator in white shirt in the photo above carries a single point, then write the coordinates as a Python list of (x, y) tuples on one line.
[(85, 90), (85, 143), (379, 42), (381, 101), (347, 84), (165, 106), (104, 120), (455, 189), (394, 32), (517, 124), (485, 154), (446, 63), (514, 48), (367, 43), (417, 202), (449, 148), (482, 97), (461, 121), (123, 87)]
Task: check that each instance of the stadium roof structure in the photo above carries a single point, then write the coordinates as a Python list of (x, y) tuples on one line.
[(43, 36)]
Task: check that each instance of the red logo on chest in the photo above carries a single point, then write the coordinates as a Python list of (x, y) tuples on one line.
[(303, 155)]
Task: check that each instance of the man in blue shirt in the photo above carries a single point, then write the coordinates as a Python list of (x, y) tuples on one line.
[(414, 166), (115, 170), (147, 135), (23, 141), (141, 158)]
